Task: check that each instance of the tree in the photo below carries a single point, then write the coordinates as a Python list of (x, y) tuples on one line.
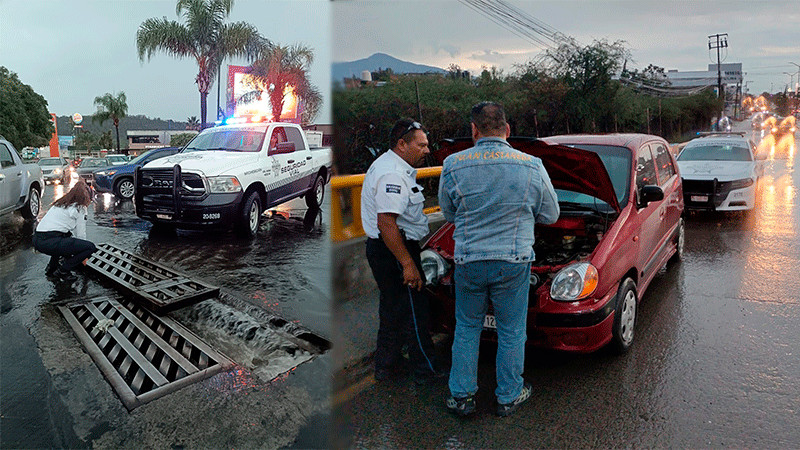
[(105, 140), (192, 123), (280, 67), (86, 140), (205, 37), (111, 108), (180, 140), (24, 119)]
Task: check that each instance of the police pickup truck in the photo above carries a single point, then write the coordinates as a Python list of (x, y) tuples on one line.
[(229, 174)]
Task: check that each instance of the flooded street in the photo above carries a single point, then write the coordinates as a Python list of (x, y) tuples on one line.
[(274, 301), (715, 362)]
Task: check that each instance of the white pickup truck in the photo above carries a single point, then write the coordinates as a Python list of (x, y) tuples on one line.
[(228, 175)]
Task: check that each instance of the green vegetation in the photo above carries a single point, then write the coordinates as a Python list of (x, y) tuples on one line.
[(571, 90), (111, 107), (24, 118), (179, 140)]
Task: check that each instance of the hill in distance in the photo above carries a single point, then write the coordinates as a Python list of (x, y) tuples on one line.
[(137, 122), (342, 70)]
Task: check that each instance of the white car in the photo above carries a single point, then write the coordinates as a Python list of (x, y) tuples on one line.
[(720, 172), (117, 160)]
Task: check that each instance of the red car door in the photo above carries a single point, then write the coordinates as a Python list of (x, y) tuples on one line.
[(672, 206), (648, 217)]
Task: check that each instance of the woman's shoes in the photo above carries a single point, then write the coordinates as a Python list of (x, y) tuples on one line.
[(65, 275)]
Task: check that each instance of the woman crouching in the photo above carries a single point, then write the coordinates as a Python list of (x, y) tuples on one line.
[(54, 234)]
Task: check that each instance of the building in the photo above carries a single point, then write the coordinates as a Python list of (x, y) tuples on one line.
[(141, 140), (731, 76)]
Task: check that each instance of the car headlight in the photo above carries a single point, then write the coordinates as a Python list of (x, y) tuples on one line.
[(57, 170), (574, 282), (741, 184), (433, 265), (224, 184)]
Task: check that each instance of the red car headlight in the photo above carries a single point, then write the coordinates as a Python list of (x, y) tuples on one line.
[(574, 282), (433, 265)]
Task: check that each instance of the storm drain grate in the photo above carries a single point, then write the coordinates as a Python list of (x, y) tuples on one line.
[(142, 355), (164, 289)]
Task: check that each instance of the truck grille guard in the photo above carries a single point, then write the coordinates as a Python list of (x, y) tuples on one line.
[(163, 190)]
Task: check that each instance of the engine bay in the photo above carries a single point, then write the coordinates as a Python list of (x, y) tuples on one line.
[(573, 238)]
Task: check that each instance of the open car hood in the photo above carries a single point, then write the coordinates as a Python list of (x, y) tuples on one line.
[(570, 169)]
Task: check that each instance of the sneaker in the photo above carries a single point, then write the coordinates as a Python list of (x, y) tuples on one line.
[(65, 275), (504, 410), (463, 406)]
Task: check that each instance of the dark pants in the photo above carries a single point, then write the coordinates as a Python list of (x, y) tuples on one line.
[(404, 312), (57, 244)]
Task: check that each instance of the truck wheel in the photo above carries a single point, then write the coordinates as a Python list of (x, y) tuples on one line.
[(247, 225), (316, 194), (31, 209), (124, 189)]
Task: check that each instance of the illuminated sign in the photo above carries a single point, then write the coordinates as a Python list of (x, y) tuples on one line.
[(246, 98)]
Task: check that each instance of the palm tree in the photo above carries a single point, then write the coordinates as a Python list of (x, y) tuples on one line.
[(205, 37), (279, 67), (110, 107), (192, 123)]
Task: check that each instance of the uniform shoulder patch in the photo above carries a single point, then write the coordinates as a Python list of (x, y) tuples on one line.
[(392, 188)]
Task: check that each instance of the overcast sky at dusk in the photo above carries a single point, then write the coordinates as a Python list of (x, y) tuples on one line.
[(763, 36), (73, 51)]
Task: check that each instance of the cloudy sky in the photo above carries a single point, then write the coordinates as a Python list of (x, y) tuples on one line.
[(71, 51), (763, 36)]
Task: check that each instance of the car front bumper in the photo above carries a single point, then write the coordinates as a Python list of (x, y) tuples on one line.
[(216, 210), (709, 195), (103, 183), (583, 330)]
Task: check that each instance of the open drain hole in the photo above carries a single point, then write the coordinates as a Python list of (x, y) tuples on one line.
[(267, 345)]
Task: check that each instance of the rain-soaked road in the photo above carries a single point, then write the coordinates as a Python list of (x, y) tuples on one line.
[(716, 362), (53, 396)]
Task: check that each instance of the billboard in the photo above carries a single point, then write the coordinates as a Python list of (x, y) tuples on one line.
[(247, 98)]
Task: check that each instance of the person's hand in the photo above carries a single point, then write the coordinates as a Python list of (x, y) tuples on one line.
[(411, 277)]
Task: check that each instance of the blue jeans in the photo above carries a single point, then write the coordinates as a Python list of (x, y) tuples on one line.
[(506, 285)]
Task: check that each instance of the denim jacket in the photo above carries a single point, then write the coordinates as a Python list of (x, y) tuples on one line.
[(494, 194)]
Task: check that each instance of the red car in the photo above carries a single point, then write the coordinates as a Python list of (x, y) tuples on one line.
[(621, 203)]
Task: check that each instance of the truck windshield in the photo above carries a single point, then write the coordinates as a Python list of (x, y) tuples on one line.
[(241, 140)]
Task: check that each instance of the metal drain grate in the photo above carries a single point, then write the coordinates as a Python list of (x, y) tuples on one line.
[(163, 288), (142, 355)]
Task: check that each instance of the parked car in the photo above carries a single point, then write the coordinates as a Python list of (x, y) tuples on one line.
[(88, 165), (21, 184), (119, 179), (117, 160), (720, 172), (621, 204), (55, 169)]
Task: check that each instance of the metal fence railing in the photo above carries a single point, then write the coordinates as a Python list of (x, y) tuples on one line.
[(346, 203)]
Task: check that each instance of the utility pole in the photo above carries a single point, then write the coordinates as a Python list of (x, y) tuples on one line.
[(797, 84), (721, 41)]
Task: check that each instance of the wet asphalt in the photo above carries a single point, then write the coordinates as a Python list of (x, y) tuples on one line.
[(715, 363), (54, 396)]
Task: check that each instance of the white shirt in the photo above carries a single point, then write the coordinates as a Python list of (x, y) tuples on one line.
[(390, 186), (66, 220)]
